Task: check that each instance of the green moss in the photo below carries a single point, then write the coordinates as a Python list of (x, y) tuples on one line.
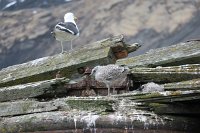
[(149, 95), (175, 93), (92, 105), (157, 107), (10, 129), (3, 130)]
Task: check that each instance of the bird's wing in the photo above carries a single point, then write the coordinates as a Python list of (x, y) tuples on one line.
[(67, 27), (114, 73)]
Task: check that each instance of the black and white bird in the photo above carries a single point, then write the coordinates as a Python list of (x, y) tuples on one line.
[(110, 75), (67, 30)]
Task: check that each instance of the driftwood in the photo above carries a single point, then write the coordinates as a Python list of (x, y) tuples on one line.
[(162, 97), (169, 98), (61, 120), (30, 106), (34, 97), (166, 74), (180, 54), (23, 107), (33, 116), (37, 89), (174, 109), (168, 102), (69, 64), (184, 85)]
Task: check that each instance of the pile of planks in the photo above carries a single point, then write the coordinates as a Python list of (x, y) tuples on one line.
[(39, 95)]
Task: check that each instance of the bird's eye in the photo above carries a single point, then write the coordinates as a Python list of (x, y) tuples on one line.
[(58, 27)]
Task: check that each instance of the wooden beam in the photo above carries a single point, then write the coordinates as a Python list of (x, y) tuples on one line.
[(179, 54), (30, 106), (184, 109), (162, 97), (30, 90), (183, 85), (62, 120), (66, 64), (166, 74)]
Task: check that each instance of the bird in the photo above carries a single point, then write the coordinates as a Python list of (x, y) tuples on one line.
[(151, 87), (110, 75), (67, 30)]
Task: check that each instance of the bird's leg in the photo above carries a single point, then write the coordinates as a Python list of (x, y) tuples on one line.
[(113, 90), (71, 45), (127, 83), (108, 89), (61, 47)]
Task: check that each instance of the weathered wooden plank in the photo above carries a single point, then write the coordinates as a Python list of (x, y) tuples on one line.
[(183, 85), (66, 64), (180, 54), (97, 104), (175, 109), (166, 74), (30, 106), (161, 97), (35, 89), (61, 120), (25, 107), (168, 97)]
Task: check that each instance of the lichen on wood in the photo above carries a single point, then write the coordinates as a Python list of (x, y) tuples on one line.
[(193, 84), (94, 104), (61, 120), (174, 109), (162, 97), (23, 107), (180, 54), (35, 89), (45, 105), (166, 74), (98, 53)]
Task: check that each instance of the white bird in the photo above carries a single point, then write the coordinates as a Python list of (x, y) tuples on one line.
[(152, 87), (67, 30), (110, 75)]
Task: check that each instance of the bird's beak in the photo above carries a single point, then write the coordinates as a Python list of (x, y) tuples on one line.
[(75, 18)]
